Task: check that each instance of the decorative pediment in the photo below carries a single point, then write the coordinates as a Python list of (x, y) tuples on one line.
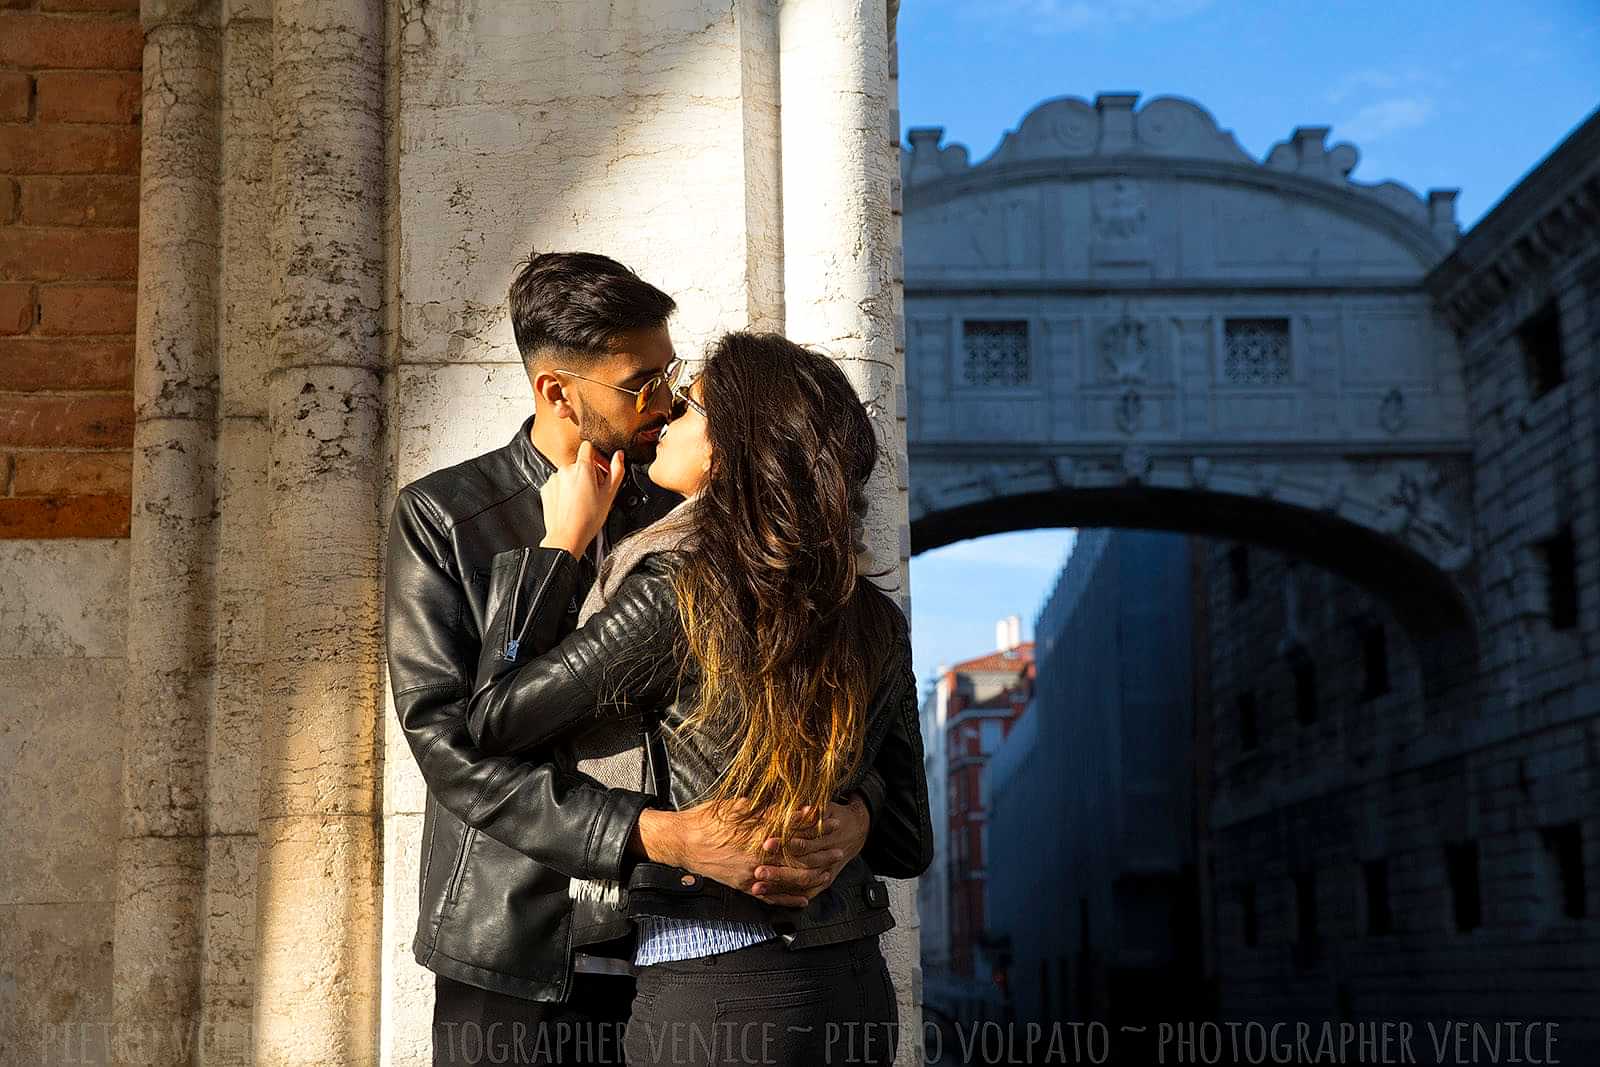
[(1112, 130)]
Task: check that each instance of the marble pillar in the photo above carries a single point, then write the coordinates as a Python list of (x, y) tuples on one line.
[(317, 910), (172, 546)]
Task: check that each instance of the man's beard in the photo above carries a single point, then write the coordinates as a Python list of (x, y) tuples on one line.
[(607, 439)]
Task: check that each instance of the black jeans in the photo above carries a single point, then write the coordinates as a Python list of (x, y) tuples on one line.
[(765, 1004), (477, 1027)]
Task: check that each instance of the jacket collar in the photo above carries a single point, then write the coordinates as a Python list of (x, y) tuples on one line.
[(535, 466), (529, 461)]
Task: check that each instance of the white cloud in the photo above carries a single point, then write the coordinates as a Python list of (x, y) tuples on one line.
[(1062, 15), (1378, 120), (1375, 80)]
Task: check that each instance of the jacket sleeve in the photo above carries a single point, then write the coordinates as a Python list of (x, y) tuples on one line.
[(559, 818), (619, 662), (895, 789)]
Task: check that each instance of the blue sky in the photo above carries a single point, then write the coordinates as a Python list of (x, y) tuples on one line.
[(1464, 95)]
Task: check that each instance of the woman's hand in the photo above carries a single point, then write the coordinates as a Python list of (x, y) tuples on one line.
[(577, 498), (697, 840), (822, 857)]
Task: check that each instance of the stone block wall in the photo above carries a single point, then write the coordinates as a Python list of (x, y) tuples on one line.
[(1385, 857), (69, 214)]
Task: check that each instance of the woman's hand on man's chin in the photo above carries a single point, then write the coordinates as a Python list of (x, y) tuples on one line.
[(577, 498)]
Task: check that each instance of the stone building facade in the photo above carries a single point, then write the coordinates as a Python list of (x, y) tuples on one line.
[(1092, 882), (212, 820), (1373, 855)]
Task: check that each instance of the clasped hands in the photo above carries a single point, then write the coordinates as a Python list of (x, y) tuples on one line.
[(697, 840)]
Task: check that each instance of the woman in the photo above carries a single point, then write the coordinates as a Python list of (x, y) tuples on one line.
[(742, 624)]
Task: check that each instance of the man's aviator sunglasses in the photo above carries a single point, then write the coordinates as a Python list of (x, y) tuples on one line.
[(643, 395)]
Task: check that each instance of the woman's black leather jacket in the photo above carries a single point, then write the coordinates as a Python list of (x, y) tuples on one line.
[(623, 663)]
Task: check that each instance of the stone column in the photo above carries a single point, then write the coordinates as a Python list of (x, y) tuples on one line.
[(160, 856), (841, 242), (317, 888), (234, 744)]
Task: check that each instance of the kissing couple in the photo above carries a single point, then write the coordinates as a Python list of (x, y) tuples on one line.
[(666, 719)]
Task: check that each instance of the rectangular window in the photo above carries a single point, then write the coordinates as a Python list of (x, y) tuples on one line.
[(1249, 929), (996, 352), (1239, 568), (1563, 850), (1540, 340), (1461, 862), (1559, 563), (1375, 661), (1255, 351), (1305, 685), (1305, 907), (1249, 728), (1375, 878)]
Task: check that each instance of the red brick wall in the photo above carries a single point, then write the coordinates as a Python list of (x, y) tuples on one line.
[(69, 216)]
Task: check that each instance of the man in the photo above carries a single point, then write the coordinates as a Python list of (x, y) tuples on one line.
[(502, 836)]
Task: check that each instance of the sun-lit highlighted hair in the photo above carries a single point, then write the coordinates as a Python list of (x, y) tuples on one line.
[(787, 640)]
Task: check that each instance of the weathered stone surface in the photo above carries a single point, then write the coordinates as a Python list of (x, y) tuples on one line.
[(318, 892), (228, 966), (160, 859), (317, 920), (55, 982), (60, 755), (63, 599), (62, 628)]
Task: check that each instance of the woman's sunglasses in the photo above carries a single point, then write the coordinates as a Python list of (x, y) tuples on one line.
[(682, 401), (646, 392)]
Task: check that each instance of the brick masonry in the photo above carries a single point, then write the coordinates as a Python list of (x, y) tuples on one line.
[(69, 212)]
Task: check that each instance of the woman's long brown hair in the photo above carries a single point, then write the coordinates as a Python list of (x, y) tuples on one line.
[(788, 640)]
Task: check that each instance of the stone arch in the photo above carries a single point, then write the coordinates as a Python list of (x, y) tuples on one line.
[(1357, 537)]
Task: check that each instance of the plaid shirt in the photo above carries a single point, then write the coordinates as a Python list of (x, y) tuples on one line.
[(662, 938)]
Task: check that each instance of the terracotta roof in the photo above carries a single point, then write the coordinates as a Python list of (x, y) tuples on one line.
[(1010, 660)]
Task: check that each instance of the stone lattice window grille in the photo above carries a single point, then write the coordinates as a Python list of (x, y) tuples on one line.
[(996, 352), (1255, 351)]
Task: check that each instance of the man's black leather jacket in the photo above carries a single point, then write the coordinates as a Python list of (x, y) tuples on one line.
[(623, 665), (501, 836)]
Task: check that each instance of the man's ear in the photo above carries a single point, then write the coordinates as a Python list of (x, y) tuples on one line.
[(548, 391)]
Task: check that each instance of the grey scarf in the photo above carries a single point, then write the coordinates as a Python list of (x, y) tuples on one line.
[(613, 753)]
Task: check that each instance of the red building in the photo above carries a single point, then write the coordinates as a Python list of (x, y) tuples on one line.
[(986, 696)]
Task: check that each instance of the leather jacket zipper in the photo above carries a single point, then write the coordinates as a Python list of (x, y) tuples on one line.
[(510, 650), (454, 885)]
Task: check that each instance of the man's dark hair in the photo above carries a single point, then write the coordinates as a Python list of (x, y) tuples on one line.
[(577, 302)]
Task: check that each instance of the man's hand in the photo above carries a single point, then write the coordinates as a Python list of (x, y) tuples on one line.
[(697, 840)]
